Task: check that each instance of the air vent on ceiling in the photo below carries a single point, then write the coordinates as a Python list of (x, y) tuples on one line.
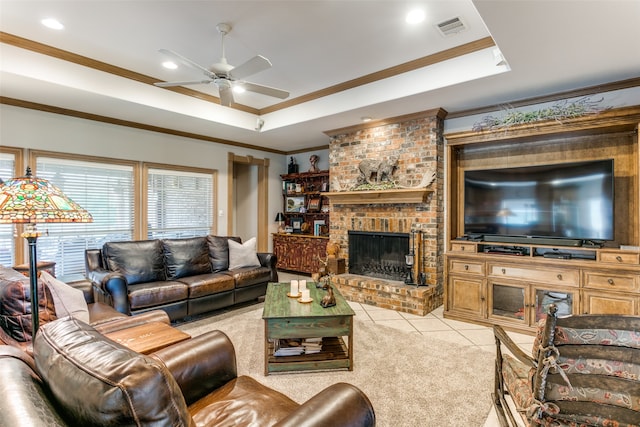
[(451, 26)]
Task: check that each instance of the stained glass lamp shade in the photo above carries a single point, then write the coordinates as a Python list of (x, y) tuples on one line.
[(30, 200)]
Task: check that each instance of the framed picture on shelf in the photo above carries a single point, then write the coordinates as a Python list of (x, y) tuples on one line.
[(296, 224), (314, 204), (295, 203)]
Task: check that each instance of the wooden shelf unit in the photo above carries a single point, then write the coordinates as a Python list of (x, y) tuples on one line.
[(299, 251), (512, 289)]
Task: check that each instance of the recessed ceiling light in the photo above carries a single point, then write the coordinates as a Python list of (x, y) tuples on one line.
[(170, 65), (365, 119), (415, 16), (239, 89), (52, 23)]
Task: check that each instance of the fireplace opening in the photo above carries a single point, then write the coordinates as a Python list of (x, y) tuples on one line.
[(378, 254)]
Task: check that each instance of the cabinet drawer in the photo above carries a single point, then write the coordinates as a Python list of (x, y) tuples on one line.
[(613, 282), (465, 266), (544, 275), (463, 247), (620, 257)]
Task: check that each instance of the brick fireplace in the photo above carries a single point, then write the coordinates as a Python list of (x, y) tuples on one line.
[(416, 140)]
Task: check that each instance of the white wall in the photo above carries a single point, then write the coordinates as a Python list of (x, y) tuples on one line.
[(25, 128)]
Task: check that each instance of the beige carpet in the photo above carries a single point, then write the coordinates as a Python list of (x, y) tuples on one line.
[(411, 380)]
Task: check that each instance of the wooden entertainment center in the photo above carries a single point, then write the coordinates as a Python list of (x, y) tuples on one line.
[(511, 283)]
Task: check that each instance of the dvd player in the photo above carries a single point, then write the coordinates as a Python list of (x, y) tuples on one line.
[(557, 255), (505, 251)]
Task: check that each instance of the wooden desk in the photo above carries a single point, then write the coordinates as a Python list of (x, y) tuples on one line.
[(150, 337)]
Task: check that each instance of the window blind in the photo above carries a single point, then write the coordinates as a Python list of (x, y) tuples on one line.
[(106, 190), (179, 203)]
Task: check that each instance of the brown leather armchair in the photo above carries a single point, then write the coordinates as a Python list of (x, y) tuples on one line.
[(80, 377), (15, 311)]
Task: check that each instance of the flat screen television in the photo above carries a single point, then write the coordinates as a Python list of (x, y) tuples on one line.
[(557, 201)]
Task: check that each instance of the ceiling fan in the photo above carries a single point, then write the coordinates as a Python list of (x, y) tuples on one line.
[(226, 76)]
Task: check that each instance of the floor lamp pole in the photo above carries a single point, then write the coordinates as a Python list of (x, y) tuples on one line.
[(33, 279)]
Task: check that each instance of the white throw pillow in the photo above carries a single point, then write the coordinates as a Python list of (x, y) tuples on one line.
[(67, 300), (243, 255)]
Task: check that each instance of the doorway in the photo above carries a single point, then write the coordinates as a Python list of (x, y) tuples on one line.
[(247, 199)]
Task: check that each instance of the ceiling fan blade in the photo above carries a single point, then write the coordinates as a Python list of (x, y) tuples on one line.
[(192, 82), (252, 66), (226, 94), (265, 90), (188, 62)]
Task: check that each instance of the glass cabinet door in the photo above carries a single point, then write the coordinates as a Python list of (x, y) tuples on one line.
[(564, 300), (508, 301)]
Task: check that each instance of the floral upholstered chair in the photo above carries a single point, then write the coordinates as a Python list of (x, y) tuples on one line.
[(584, 371)]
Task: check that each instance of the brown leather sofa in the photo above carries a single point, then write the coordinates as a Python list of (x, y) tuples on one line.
[(15, 311), (78, 377), (183, 277)]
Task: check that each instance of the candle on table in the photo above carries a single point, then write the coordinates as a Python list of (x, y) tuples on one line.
[(306, 295), (302, 284), (294, 288)]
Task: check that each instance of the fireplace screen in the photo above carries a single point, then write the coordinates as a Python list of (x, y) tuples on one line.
[(378, 254)]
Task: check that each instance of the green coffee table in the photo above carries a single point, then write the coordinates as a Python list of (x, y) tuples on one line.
[(285, 317)]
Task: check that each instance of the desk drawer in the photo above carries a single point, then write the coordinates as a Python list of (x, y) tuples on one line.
[(544, 275), (466, 266), (612, 282)]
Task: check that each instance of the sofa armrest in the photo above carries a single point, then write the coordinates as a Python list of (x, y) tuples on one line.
[(269, 260), (503, 339), (341, 404), (25, 401), (201, 364), (112, 288)]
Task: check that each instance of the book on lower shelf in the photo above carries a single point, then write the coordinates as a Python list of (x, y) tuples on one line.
[(317, 227), (297, 346)]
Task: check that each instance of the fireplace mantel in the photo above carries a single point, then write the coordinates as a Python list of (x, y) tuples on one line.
[(396, 195)]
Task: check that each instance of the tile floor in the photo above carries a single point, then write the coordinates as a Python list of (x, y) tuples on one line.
[(435, 325)]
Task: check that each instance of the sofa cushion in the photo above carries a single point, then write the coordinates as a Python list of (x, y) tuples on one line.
[(15, 304), (139, 261), (242, 402), (243, 254), (67, 300), (219, 252), (186, 257), (518, 380), (208, 284), (151, 294), (248, 276), (99, 382)]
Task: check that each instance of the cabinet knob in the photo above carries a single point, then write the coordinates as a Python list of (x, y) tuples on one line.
[(610, 281), (559, 276), (504, 271), (619, 258), (466, 267)]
